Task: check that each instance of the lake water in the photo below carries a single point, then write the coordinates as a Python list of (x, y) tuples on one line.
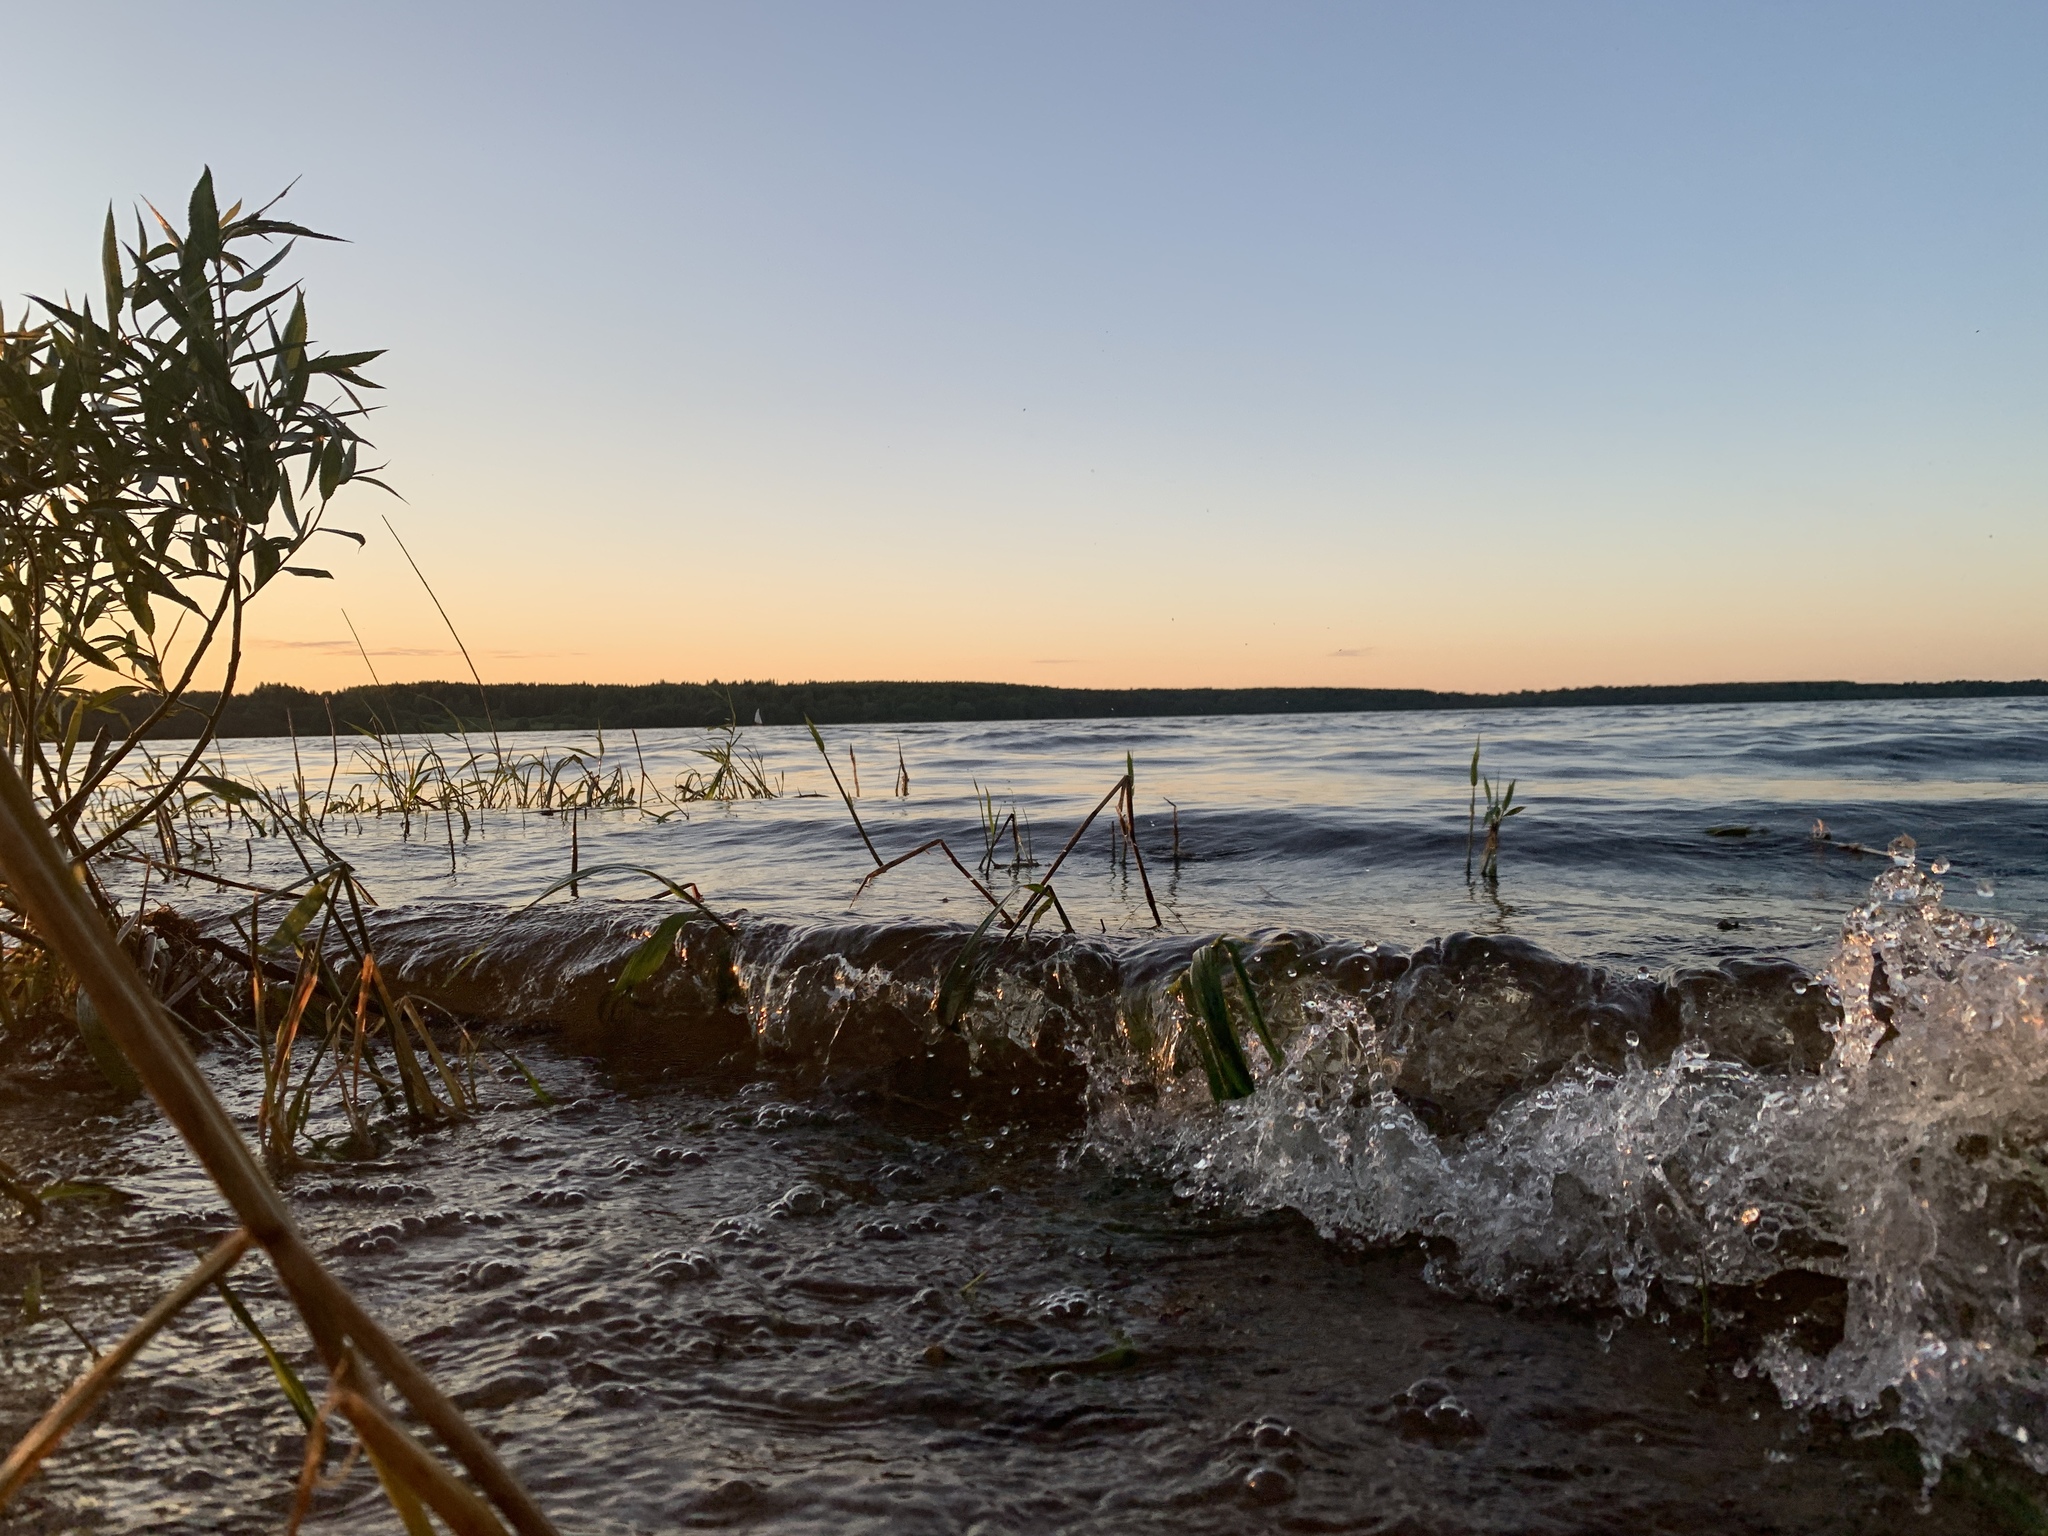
[(1690, 1175)]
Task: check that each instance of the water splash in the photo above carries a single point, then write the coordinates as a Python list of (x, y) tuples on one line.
[(1911, 1167)]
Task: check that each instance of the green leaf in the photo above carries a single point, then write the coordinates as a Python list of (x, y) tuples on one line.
[(202, 221), (110, 271), (1251, 999), (287, 1378), (330, 468), (303, 912), (228, 789), (648, 958), (1215, 1035), (294, 357), (540, 1095), (89, 1190), (267, 559), (963, 974)]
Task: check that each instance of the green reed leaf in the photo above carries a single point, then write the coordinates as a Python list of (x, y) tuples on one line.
[(303, 912), (294, 1389), (648, 959)]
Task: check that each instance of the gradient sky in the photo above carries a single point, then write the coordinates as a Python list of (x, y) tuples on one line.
[(1461, 346)]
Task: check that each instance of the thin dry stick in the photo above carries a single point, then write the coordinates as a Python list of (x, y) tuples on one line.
[(938, 843), (641, 758), (178, 871), (863, 831), (475, 676), (309, 1468), (1130, 820), (1045, 885), (42, 884), (92, 1386)]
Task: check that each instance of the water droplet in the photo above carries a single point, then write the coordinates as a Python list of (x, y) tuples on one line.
[(1987, 887), (1941, 865), (1633, 1039), (1903, 850)]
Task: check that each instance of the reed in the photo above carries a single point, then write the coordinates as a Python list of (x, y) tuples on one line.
[(40, 880)]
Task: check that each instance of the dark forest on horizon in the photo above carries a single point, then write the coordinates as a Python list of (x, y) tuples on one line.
[(277, 709)]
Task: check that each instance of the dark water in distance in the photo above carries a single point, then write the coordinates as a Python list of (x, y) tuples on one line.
[(1605, 1220)]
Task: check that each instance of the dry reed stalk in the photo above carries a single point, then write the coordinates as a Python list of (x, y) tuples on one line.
[(863, 831), (1129, 810), (1044, 888), (86, 1392), (939, 843), (398, 1453), (42, 884)]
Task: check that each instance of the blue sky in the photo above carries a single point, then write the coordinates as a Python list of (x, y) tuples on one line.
[(1454, 346)]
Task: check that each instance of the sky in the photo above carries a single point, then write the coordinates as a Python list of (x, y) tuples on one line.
[(1454, 346)]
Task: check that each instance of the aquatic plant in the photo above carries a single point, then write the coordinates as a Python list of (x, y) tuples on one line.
[(1500, 805), (994, 823), (1039, 896), (1472, 809)]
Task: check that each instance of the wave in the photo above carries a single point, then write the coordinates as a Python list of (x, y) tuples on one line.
[(1551, 1132)]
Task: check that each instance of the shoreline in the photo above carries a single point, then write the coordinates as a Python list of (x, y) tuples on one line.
[(280, 709)]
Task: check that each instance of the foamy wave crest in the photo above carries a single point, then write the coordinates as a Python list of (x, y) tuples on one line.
[(1911, 1166)]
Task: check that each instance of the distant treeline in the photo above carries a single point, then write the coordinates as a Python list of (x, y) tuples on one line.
[(275, 709)]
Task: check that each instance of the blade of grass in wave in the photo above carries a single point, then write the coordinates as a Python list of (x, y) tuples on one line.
[(646, 961), (963, 974), (1201, 988), (287, 1378)]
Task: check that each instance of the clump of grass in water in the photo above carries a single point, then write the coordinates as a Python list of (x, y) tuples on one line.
[(1500, 805), (996, 822), (737, 772)]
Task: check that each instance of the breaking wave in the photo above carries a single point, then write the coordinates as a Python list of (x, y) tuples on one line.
[(1870, 1141)]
